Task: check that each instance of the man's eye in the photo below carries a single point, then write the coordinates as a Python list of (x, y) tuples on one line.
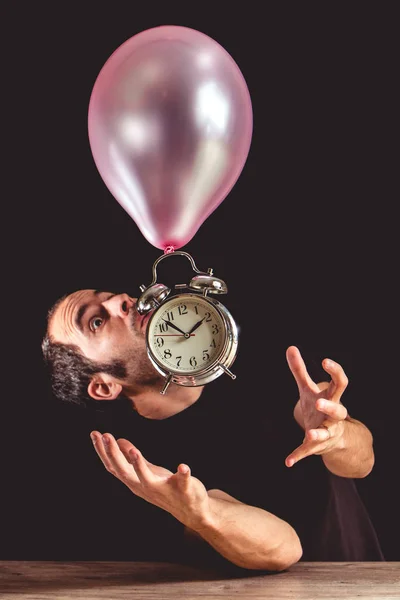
[(96, 323)]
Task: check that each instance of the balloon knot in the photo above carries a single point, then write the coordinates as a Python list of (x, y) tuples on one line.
[(169, 249)]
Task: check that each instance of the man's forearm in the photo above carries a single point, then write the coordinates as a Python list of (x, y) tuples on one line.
[(355, 458), (248, 536)]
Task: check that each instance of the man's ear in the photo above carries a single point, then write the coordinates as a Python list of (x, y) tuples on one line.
[(103, 387)]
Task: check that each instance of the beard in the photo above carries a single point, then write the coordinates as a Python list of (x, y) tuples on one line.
[(134, 316), (140, 371)]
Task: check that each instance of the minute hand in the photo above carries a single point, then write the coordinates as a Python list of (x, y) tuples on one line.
[(196, 325)]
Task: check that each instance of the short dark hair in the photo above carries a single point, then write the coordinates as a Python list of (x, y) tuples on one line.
[(70, 371)]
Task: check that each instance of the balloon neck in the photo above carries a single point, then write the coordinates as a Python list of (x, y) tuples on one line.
[(169, 249)]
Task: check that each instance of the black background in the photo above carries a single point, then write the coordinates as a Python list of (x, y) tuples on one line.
[(306, 240)]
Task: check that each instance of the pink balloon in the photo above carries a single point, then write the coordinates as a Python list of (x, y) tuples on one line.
[(170, 127)]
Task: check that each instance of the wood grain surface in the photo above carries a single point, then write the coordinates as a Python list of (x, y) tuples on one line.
[(94, 580)]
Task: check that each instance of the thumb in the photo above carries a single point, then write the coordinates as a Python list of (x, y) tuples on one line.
[(183, 474), (184, 470)]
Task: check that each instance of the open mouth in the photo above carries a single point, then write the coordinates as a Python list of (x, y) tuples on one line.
[(144, 320), (138, 321)]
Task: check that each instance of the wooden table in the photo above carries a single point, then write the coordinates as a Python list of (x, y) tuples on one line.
[(93, 580)]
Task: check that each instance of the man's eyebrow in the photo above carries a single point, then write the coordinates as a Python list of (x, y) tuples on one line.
[(79, 316)]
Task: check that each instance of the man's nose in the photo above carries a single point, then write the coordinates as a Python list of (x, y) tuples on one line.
[(119, 305)]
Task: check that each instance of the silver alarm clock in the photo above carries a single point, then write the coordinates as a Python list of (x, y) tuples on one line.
[(191, 338)]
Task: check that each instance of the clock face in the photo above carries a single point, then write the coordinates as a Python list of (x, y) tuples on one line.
[(186, 334)]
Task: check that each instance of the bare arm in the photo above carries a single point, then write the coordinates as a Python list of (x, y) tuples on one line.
[(354, 456), (249, 536), (245, 535)]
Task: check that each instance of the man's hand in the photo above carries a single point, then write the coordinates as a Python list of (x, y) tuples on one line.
[(180, 494), (320, 408), (245, 535)]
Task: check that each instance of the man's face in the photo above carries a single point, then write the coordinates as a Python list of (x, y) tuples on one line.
[(106, 327)]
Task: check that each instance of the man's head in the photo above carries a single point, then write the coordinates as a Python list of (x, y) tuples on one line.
[(95, 347)]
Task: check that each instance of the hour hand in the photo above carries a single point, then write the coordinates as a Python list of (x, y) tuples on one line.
[(196, 325), (174, 326)]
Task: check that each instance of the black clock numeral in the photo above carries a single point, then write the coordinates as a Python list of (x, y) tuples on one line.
[(170, 315), (213, 344), (178, 360), (160, 342), (208, 315), (206, 355), (196, 311), (163, 327), (167, 353), (193, 361), (182, 309), (215, 329)]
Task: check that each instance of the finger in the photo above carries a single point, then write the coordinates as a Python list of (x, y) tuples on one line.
[(99, 447), (139, 463), (183, 472), (125, 446), (332, 409), (298, 368), (182, 476), (119, 466), (306, 449), (322, 434), (338, 377)]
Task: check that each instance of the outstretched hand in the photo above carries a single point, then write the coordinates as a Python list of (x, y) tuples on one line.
[(322, 412), (180, 494)]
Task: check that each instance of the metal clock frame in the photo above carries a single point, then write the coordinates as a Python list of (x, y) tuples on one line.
[(155, 296)]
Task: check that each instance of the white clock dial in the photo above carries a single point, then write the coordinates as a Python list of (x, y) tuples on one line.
[(186, 334)]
